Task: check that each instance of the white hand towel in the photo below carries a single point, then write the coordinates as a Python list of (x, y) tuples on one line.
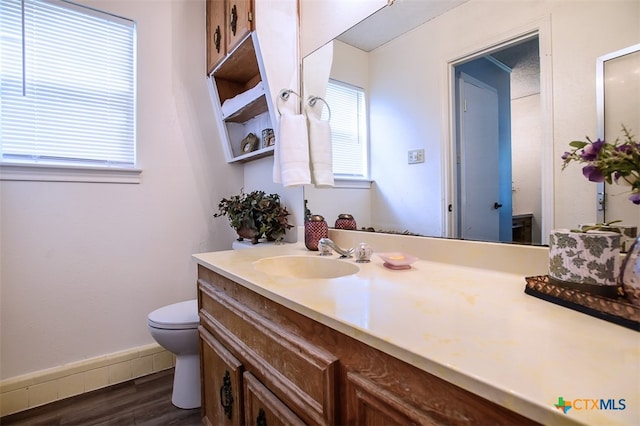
[(291, 154), (320, 150)]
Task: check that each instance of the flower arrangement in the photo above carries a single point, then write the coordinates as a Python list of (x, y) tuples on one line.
[(617, 162), (255, 215)]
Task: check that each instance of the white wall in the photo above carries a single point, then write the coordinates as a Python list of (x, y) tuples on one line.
[(83, 264), (526, 147)]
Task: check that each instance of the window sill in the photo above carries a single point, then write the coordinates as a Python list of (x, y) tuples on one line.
[(56, 173), (359, 183)]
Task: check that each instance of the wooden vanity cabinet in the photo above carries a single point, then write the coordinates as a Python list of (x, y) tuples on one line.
[(298, 371), (227, 23)]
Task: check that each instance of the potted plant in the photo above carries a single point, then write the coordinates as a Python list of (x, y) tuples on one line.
[(610, 162), (255, 215)]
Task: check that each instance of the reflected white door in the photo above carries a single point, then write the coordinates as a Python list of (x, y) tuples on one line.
[(479, 183)]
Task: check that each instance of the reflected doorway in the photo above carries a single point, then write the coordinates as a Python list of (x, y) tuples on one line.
[(513, 71)]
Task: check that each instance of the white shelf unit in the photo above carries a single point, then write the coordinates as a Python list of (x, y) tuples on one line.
[(242, 101)]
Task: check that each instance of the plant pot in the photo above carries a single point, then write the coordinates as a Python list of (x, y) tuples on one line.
[(630, 274), (585, 261), (249, 233), (628, 234)]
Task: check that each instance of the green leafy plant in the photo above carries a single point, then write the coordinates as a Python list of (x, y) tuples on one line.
[(255, 215), (600, 226), (617, 162)]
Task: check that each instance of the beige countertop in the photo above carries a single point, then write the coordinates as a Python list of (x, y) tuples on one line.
[(471, 326)]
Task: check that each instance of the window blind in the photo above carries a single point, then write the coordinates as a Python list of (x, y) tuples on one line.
[(67, 81), (348, 129)]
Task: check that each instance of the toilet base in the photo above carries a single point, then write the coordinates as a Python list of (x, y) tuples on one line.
[(186, 382)]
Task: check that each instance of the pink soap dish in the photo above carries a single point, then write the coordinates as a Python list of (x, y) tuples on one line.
[(397, 260)]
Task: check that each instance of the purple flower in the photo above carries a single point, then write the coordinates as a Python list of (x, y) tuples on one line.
[(635, 197), (593, 173), (591, 151), (566, 155), (625, 149)]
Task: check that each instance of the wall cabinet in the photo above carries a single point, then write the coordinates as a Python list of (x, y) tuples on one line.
[(285, 368), (237, 82), (228, 23)]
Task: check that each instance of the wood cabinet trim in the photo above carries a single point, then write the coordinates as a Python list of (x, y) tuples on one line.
[(364, 395), (318, 406), (257, 392), (212, 385)]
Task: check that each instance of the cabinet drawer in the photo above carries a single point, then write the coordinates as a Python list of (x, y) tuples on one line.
[(370, 404), (263, 408), (221, 375), (301, 374)]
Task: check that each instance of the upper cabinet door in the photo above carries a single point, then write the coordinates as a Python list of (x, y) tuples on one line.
[(216, 33), (228, 23), (239, 21)]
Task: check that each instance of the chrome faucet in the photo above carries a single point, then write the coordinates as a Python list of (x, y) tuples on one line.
[(324, 243)]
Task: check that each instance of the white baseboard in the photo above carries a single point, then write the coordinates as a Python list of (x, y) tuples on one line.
[(42, 387)]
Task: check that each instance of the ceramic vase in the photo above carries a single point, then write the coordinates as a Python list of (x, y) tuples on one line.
[(315, 229), (345, 221), (628, 234), (630, 274), (586, 261), (249, 233)]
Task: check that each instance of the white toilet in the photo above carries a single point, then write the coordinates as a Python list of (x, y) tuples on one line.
[(175, 328)]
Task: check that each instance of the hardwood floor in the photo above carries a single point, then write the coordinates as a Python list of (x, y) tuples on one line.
[(143, 401)]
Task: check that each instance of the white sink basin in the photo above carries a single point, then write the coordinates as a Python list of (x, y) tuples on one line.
[(305, 267)]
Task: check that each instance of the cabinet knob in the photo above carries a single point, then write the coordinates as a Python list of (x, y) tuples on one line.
[(497, 205), (261, 420), (217, 38), (234, 19), (226, 396)]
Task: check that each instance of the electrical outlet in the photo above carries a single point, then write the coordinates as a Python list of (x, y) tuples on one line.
[(416, 156)]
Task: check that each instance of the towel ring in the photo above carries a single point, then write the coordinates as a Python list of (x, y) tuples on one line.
[(284, 96), (312, 102)]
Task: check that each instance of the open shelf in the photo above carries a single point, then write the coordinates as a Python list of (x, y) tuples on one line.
[(242, 100)]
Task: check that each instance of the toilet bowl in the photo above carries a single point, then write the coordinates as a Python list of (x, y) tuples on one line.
[(175, 328)]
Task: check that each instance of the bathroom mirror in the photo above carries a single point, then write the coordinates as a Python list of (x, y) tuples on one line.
[(416, 198), (618, 101)]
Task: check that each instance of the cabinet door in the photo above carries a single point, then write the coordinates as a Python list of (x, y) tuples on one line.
[(216, 34), (263, 408), (221, 375), (239, 21), (369, 404)]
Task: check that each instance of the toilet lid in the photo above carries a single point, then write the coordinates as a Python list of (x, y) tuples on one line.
[(178, 316)]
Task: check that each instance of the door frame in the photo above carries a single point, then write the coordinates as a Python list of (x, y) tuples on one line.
[(542, 29)]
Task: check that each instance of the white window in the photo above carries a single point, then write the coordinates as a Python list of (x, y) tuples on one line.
[(348, 130), (67, 81)]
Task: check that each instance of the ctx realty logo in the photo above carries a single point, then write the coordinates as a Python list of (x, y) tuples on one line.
[(590, 404)]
